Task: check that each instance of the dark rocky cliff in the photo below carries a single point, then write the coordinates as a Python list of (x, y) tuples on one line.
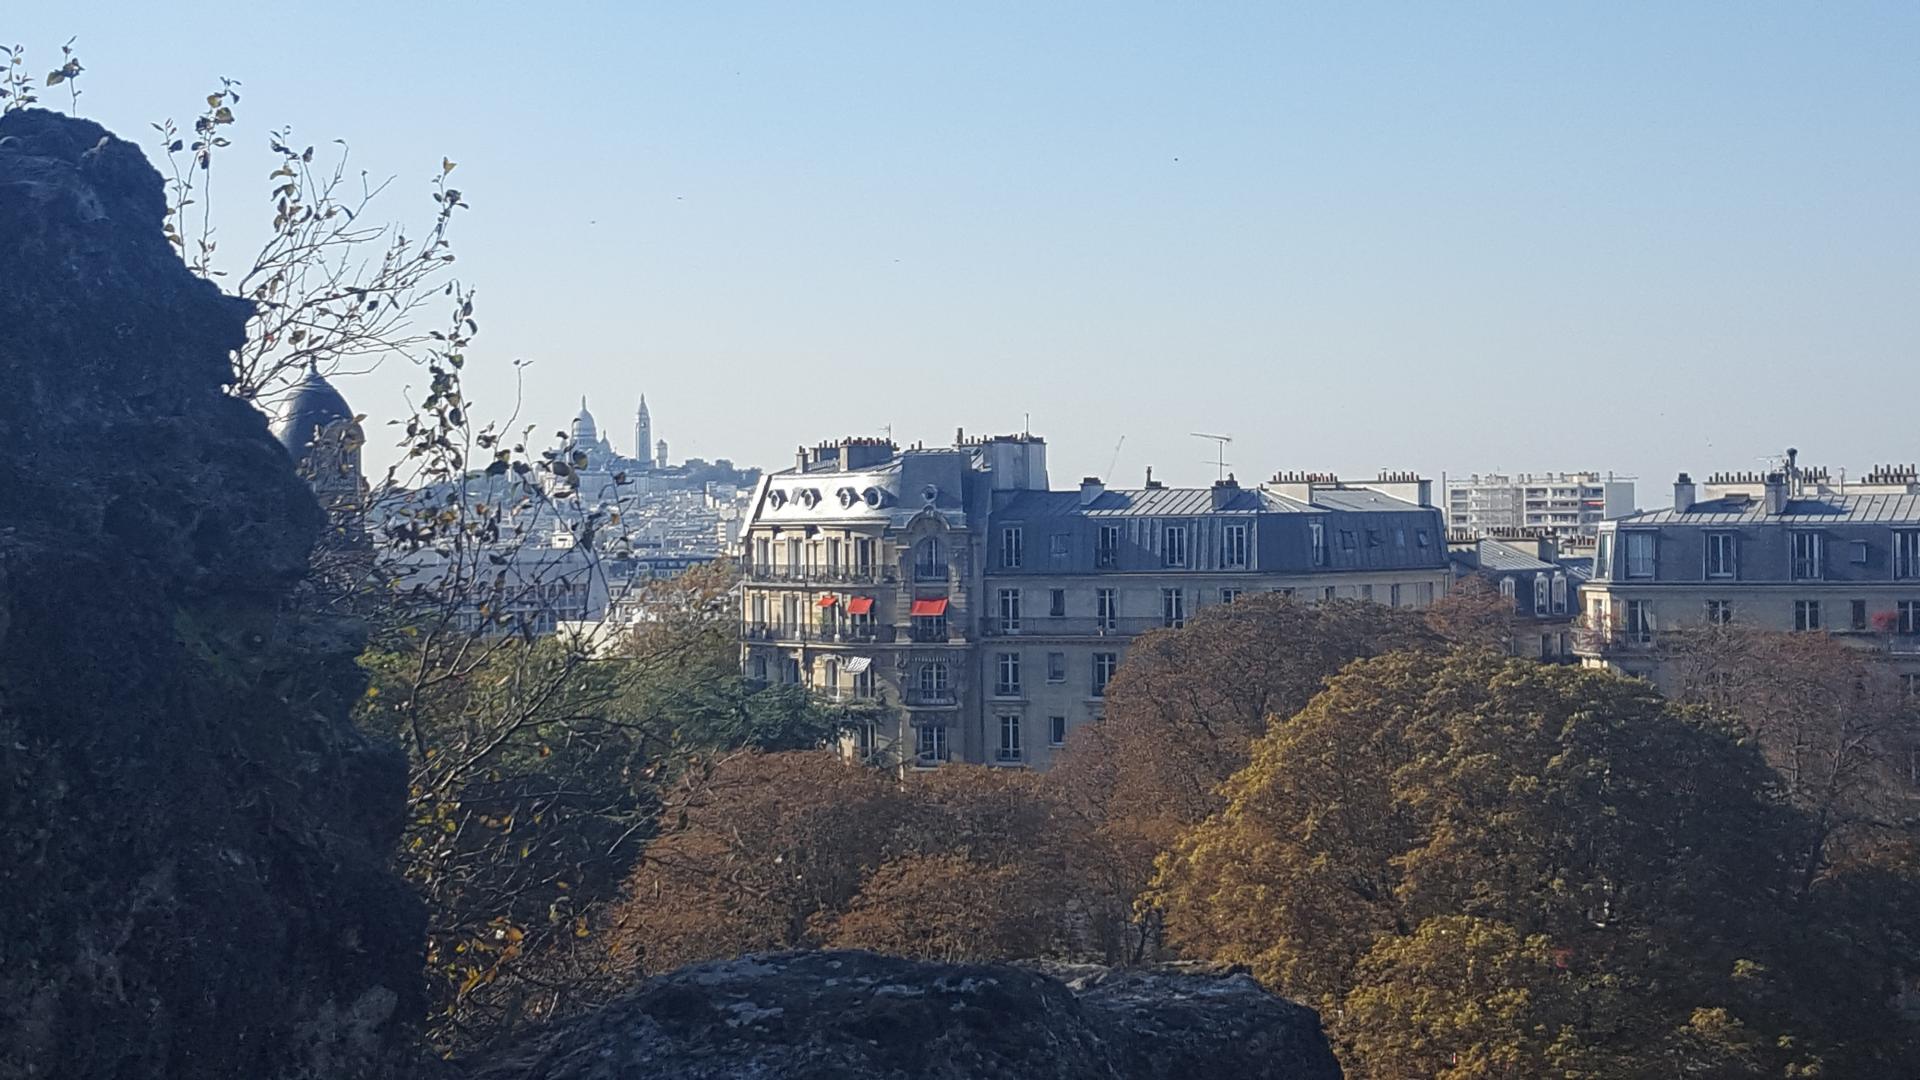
[(857, 1016), (192, 836)]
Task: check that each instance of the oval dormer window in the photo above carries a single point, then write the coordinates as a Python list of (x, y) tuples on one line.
[(776, 498), (809, 498), (846, 496), (873, 497), (930, 493)]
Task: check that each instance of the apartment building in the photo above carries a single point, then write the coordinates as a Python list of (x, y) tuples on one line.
[(1792, 553), (1557, 504), (984, 613), (1540, 579)]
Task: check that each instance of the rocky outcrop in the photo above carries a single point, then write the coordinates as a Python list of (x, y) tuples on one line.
[(858, 1016), (193, 878)]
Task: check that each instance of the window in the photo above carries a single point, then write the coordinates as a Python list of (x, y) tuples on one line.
[(1008, 683), (1228, 596), (1393, 595), (1857, 552), (1859, 614), (1720, 555), (1012, 546), (1173, 543), (1423, 593), (1400, 537), (1104, 665), (1173, 607), (1329, 594), (1806, 614), (831, 683), (1719, 612), (929, 628), (1346, 540), (1056, 602), (1508, 589), (793, 556), (1317, 533), (760, 668), (1603, 556), (1366, 592), (1806, 563), (929, 560), (863, 548), (1560, 594), (1909, 611), (1060, 545), (1009, 611), (1911, 681), (1906, 553), (1639, 622), (763, 554), (1540, 587), (1106, 609), (930, 743), (1233, 545), (1108, 553), (1056, 731), (933, 677), (1056, 667), (1009, 738), (1640, 549), (833, 555), (863, 682), (1546, 646), (1420, 537)]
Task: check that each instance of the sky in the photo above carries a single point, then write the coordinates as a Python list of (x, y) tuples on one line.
[(1451, 238)]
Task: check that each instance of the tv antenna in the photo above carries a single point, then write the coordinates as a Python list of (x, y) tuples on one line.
[(1219, 451), (1115, 460)]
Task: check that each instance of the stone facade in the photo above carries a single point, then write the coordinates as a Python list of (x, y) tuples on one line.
[(983, 613)]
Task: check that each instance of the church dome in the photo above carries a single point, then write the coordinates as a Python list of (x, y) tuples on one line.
[(584, 430), (312, 405)]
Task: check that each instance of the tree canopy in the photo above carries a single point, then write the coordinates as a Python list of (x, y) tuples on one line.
[(1479, 866)]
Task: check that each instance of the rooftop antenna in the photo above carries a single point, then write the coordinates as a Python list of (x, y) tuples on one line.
[(1116, 456), (1220, 451)]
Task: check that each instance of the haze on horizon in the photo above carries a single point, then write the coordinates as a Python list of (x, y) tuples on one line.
[(1639, 238)]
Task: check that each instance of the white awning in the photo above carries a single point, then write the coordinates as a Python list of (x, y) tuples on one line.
[(858, 664)]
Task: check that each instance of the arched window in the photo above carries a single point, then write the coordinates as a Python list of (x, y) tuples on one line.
[(930, 560)]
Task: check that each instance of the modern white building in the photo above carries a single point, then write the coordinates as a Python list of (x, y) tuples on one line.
[(1562, 505)]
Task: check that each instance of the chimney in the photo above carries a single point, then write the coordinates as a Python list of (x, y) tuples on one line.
[(1224, 492), (1776, 493), (1152, 484), (1090, 489), (1683, 494)]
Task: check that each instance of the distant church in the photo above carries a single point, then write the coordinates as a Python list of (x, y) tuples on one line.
[(584, 437)]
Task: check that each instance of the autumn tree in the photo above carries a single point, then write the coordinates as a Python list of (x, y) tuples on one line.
[(801, 849), (1181, 716), (1475, 612), (1533, 870), (1833, 720)]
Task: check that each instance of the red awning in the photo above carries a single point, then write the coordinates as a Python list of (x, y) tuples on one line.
[(829, 601), (860, 605), (928, 607)]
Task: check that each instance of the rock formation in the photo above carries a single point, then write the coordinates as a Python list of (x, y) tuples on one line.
[(857, 1016), (193, 878)]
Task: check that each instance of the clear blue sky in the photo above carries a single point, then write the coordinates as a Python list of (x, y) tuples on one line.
[(1445, 237)]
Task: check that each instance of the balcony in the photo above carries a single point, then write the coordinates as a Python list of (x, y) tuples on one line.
[(1061, 626), (822, 575), (778, 630), (916, 698)]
